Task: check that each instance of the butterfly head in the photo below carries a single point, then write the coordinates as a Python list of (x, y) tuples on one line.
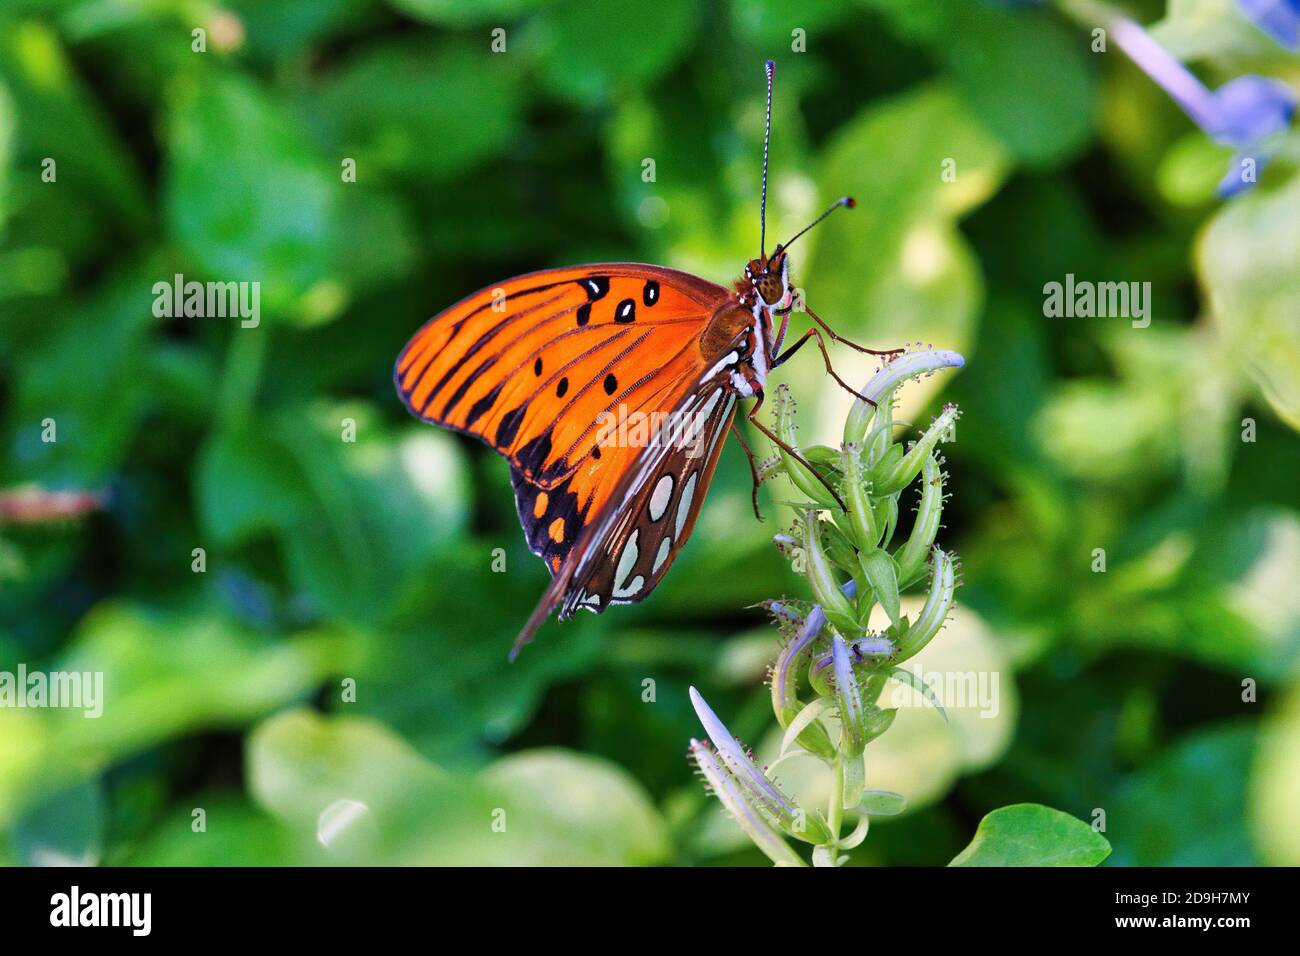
[(768, 281)]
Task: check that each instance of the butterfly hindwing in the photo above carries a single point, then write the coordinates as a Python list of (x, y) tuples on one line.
[(624, 550), (632, 547)]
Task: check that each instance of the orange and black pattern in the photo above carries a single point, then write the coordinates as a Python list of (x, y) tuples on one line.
[(532, 365)]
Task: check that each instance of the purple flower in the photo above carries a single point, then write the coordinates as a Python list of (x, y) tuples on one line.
[(784, 674), (724, 786), (734, 776), (1243, 113), (1280, 19), (757, 786), (849, 698)]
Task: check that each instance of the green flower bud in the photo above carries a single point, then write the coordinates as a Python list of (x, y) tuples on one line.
[(821, 575), (938, 603), (839, 548), (890, 477), (848, 698), (911, 557), (799, 473), (861, 517), (889, 378)]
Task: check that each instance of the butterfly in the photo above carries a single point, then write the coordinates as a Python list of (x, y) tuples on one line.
[(549, 368)]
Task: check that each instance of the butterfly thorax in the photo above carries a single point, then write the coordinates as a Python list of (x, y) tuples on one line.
[(740, 342)]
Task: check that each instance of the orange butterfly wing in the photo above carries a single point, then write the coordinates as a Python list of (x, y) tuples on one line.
[(534, 365)]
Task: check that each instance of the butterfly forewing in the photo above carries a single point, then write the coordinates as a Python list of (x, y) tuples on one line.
[(625, 549), (531, 364)]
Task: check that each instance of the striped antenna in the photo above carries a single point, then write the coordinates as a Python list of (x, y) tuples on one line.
[(767, 138), (848, 202)]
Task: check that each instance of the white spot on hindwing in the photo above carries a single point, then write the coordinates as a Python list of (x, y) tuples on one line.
[(660, 497), (626, 562), (664, 547), (684, 504)]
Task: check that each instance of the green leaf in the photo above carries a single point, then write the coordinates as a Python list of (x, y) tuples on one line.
[(767, 23), (93, 395), (234, 831), (382, 509), (565, 806), (1246, 260), (1275, 784), (1216, 30), (266, 211), (97, 204), (1025, 76), (898, 262), (460, 106), (247, 483), (918, 22), (803, 720), (883, 803), (1191, 170), (282, 29), (537, 807), (1030, 834), (457, 13), (621, 48), (163, 675), (879, 570), (65, 829), (904, 676), (1188, 806), (359, 520), (438, 671)]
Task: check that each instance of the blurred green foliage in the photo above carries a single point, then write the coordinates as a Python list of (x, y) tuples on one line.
[(368, 564)]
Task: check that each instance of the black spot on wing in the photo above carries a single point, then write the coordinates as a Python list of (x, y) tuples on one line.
[(482, 405), (584, 314), (650, 294), (508, 427), (596, 287), (532, 456), (611, 384), (562, 387), (464, 387), (626, 312)]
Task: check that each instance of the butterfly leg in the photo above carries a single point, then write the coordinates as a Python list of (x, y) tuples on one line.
[(776, 440), (843, 341), (814, 333), (753, 469)]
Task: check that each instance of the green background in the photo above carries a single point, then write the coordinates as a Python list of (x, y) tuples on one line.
[(1120, 693)]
